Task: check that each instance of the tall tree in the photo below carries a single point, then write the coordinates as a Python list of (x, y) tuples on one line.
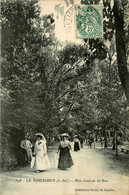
[(121, 24), (24, 36)]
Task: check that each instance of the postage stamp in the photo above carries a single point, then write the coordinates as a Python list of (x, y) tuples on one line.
[(89, 21)]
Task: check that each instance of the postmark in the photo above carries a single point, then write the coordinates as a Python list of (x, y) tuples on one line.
[(89, 21), (69, 19)]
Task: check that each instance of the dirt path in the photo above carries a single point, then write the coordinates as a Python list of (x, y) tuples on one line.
[(91, 174)]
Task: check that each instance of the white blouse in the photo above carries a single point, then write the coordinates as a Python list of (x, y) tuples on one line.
[(40, 145), (64, 144)]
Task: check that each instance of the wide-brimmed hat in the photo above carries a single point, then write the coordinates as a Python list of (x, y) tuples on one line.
[(64, 135), (39, 134)]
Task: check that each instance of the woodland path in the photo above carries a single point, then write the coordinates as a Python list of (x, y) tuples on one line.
[(92, 173)]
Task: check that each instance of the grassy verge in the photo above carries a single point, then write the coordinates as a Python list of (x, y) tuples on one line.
[(119, 164)]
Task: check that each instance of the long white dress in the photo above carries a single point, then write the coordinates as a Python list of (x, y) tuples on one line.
[(41, 159)]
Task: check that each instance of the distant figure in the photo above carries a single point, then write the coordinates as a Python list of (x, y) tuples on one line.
[(102, 142), (65, 159), (76, 144), (81, 142), (40, 152), (90, 141), (26, 151)]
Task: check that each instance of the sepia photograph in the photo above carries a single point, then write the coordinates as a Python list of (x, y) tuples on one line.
[(64, 117)]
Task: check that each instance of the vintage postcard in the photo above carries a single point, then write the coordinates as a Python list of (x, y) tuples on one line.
[(64, 97)]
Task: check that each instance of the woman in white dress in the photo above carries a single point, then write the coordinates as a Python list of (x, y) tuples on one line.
[(41, 157)]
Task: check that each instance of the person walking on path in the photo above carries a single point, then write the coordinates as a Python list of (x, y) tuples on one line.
[(26, 148), (90, 141), (102, 142), (81, 142), (40, 152), (76, 144), (65, 159)]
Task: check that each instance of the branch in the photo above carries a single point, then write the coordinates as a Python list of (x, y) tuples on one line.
[(66, 114), (61, 95)]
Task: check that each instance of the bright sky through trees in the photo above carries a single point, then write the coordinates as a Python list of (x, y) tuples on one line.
[(47, 7)]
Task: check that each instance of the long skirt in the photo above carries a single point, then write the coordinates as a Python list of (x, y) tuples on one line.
[(76, 146), (41, 161), (65, 159)]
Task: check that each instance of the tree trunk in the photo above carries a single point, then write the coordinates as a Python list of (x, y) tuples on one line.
[(49, 140), (113, 144), (93, 138), (105, 144), (116, 143), (109, 135), (121, 48), (96, 136)]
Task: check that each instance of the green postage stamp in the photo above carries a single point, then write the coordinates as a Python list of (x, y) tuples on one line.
[(89, 21)]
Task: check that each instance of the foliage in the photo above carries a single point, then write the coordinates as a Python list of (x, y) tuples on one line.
[(52, 88), (24, 36)]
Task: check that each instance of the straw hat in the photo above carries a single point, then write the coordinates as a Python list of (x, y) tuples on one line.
[(39, 134), (64, 135)]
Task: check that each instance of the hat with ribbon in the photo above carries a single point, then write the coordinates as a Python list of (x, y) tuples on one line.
[(39, 134), (64, 135)]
